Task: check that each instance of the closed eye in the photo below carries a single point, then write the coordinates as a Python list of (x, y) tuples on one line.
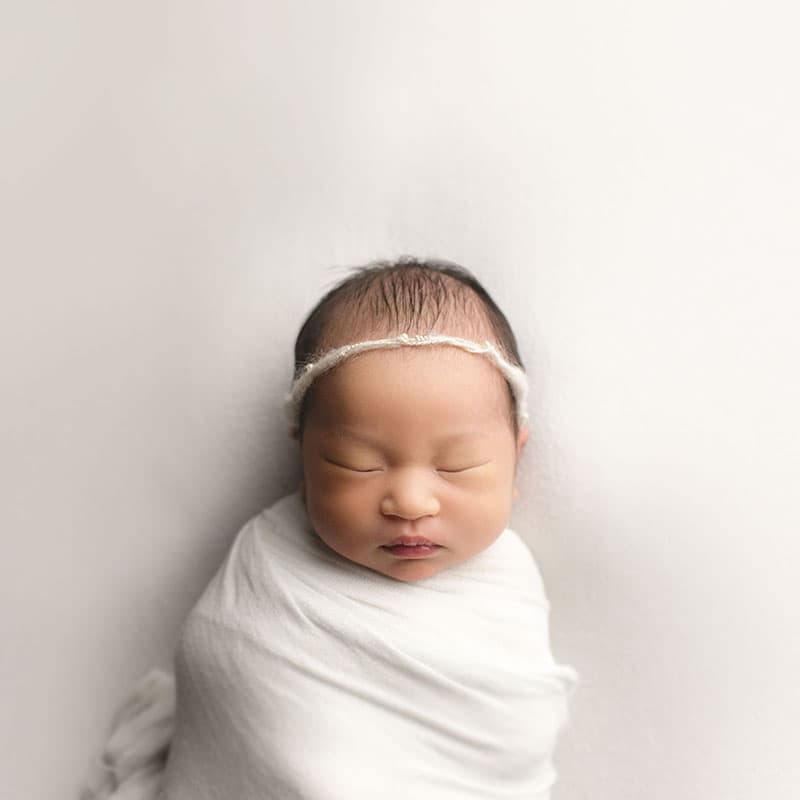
[(351, 469), (464, 469)]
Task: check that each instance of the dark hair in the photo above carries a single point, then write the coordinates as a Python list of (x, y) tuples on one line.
[(407, 293)]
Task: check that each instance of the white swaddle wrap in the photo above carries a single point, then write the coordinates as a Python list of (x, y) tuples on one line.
[(304, 676)]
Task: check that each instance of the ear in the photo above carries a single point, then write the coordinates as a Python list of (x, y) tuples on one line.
[(522, 437)]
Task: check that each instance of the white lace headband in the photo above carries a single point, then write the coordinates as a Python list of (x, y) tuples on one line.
[(516, 377)]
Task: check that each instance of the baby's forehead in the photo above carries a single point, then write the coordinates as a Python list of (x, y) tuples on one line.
[(427, 369)]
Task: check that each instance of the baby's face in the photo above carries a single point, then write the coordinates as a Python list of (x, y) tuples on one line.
[(410, 442)]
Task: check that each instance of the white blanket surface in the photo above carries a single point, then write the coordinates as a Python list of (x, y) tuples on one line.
[(301, 675)]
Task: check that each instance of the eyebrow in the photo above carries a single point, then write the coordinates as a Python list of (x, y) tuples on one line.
[(352, 433)]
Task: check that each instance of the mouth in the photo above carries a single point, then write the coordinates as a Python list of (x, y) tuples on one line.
[(411, 547), (411, 541)]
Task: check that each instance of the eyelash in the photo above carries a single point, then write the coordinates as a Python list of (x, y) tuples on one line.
[(446, 471)]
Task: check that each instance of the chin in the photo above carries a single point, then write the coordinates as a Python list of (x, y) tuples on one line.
[(411, 571)]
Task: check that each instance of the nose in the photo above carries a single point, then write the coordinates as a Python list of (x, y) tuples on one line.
[(410, 496)]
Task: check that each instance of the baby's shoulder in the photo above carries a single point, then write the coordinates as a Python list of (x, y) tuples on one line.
[(280, 520), (262, 537), (520, 561)]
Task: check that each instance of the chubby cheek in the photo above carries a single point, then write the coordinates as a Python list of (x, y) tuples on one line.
[(483, 517), (338, 509), (481, 506)]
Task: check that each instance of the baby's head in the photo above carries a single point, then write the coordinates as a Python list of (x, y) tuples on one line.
[(419, 442)]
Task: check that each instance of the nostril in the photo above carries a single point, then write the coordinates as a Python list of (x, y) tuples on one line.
[(390, 507)]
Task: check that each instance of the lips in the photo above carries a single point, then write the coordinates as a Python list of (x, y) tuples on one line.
[(410, 541)]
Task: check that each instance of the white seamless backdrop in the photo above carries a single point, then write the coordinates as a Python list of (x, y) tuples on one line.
[(182, 180)]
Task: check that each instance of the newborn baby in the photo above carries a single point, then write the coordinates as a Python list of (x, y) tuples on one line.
[(381, 632)]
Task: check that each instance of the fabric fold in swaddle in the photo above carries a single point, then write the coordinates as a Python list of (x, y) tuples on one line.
[(132, 762), (303, 676)]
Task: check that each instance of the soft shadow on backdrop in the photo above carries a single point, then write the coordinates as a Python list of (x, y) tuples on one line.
[(180, 183)]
